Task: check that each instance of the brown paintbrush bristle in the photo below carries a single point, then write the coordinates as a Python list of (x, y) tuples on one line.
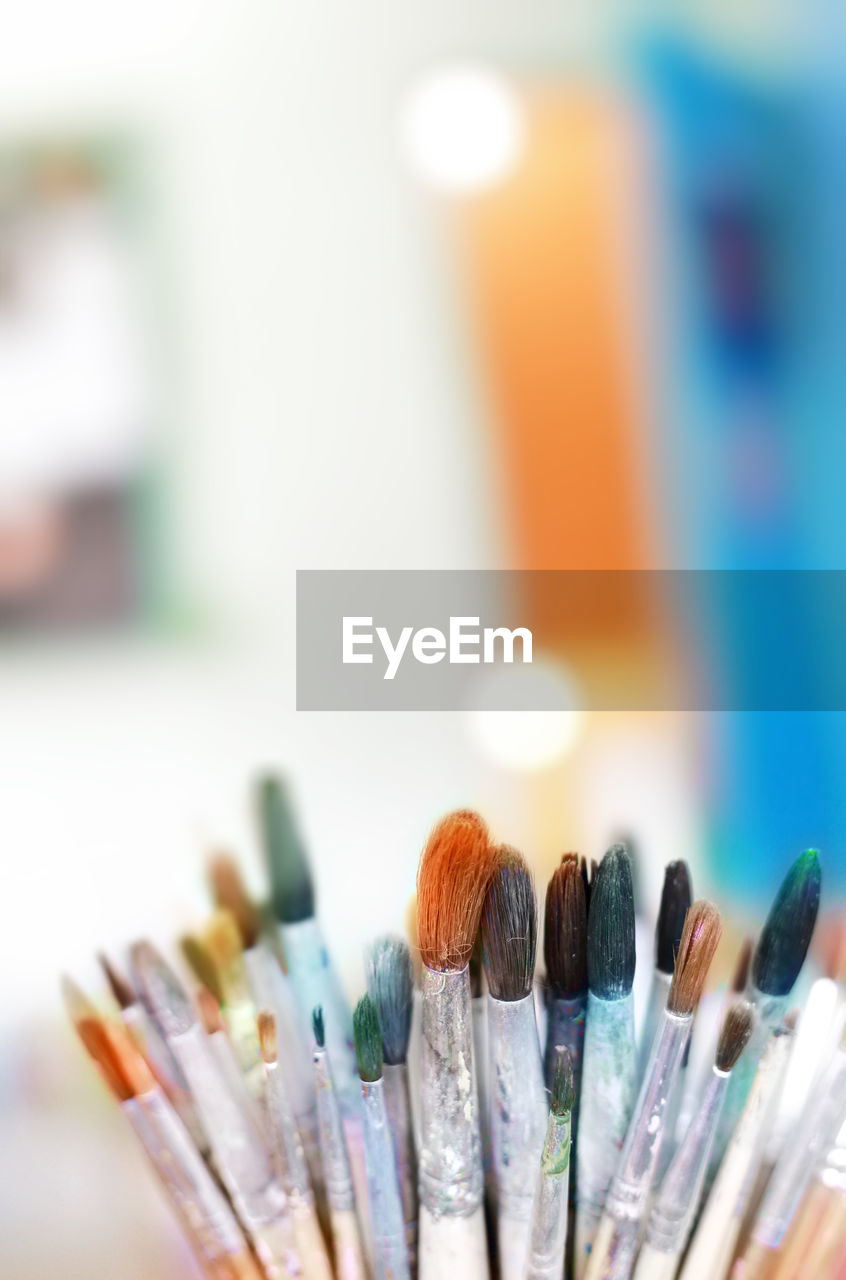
[(700, 936), (121, 1064), (510, 927), (119, 986), (455, 869), (209, 1010), (230, 893), (740, 976), (268, 1038), (565, 929), (222, 939), (734, 1034), (200, 962)]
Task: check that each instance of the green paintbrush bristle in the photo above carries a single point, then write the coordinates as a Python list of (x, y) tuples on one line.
[(786, 936), (389, 985), (611, 927), (317, 1026), (563, 1091), (291, 885), (367, 1035)]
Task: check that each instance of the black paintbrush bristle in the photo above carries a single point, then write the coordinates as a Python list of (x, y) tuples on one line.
[(367, 1035), (389, 985), (676, 897), (611, 927), (565, 929), (734, 1034), (786, 936), (291, 884), (509, 927), (563, 1092), (317, 1026)]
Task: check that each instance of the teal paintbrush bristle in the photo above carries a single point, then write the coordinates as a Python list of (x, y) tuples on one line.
[(291, 884), (562, 1094), (611, 927), (367, 1035), (317, 1027), (389, 985), (786, 936)]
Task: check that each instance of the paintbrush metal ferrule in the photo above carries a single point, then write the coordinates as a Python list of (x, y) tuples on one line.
[(548, 1231), (822, 1116), (452, 1226), (517, 1121), (657, 1003), (565, 1025), (387, 1222), (608, 1093), (678, 1199), (715, 1238), (316, 982), (398, 1103), (185, 1176), (154, 1047), (617, 1237), (241, 1156), (770, 1012)]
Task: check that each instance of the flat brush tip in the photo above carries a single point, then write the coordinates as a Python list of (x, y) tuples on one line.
[(676, 897), (367, 1035), (734, 1034), (563, 1091), (161, 990), (786, 936), (700, 936), (611, 927), (268, 1037)]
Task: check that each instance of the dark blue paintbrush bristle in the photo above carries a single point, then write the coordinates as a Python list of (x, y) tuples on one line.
[(786, 936), (611, 927)]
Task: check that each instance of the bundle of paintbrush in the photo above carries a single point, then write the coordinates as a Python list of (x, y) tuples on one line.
[(295, 1140)]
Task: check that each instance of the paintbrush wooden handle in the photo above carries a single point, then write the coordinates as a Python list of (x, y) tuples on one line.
[(349, 1254), (652, 1264), (311, 1246), (242, 1267)]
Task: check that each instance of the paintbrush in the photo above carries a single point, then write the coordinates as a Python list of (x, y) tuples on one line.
[(387, 1222), (677, 1201), (548, 1230), (714, 1240), (676, 897), (455, 868), (609, 1068), (778, 958), (390, 986), (220, 1045), (289, 1157), (270, 988), (807, 1143), (517, 1097), (565, 955), (240, 1154), (616, 1241), (815, 1244), (222, 940), (152, 1044), (346, 1237), (313, 976), (198, 1201)]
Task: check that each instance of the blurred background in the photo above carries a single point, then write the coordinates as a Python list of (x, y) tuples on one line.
[(368, 286)]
